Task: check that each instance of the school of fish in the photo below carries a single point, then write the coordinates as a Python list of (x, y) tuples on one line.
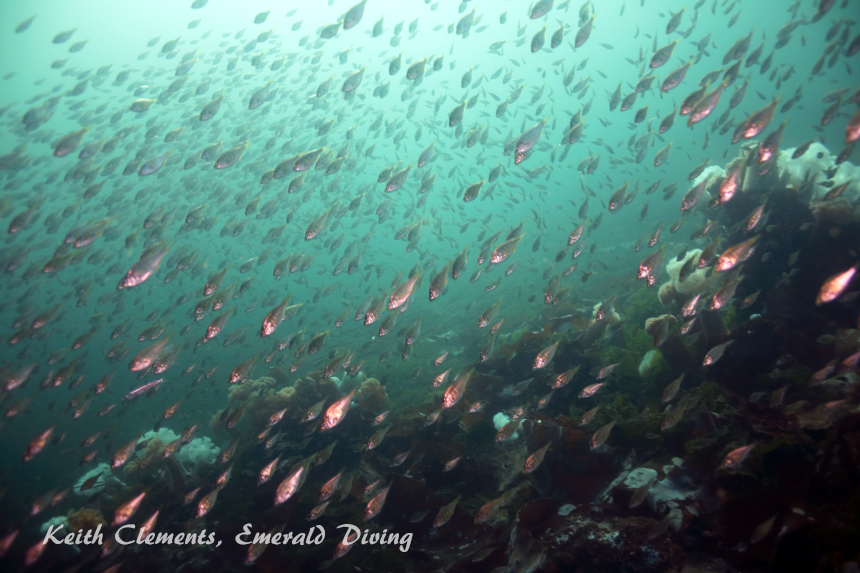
[(367, 203)]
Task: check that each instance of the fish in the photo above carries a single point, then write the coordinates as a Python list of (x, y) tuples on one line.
[(676, 76), (584, 32), (24, 25), (398, 179), (736, 254), (353, 15), (243, 371), (444, 514), (329, 487), (834, 286), (267, 471), (38, 443), (376, 439), (758, 120), (125, 511), (210, 109), (729, 185), (374, 506), (508, 430), (228, 158), (663, 154), (649, 263), (505, 250), (456, 390), (675, 21), (535, 459), (290, 485), (589, 416), (317, 342), (590, 390), (403, 292), (440, 378), (852, 129), (565, 377), (673, 418), (353, 81), (545, 356), (538, 39), (705, 105), (715, 353), (438, 284), (490, 509), (274, 318), (694, 195), (600, 436), (662, 56), (68, 143), (330, 31), (539, 8), (472, 191), (737, 456), (489, 314), (672, 389), (336, 412)]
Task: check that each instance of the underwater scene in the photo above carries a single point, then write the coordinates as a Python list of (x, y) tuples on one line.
[(430, 286)]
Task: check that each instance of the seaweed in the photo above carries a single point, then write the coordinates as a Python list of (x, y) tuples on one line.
[(639, 307)]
